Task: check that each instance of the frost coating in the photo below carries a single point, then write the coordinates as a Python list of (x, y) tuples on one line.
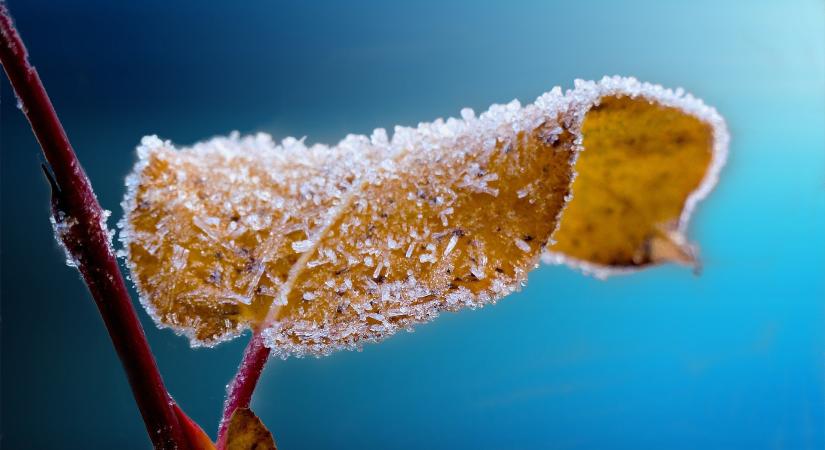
[(329, 247), (62, 226)]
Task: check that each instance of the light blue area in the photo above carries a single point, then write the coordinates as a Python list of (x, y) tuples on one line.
[(731, 359)]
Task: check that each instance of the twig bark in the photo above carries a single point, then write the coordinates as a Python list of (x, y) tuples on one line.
[(80, 225), (239, 392)]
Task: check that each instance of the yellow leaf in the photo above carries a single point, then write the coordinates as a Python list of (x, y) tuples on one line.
[(648, 156), (247, 432), (325, 248)]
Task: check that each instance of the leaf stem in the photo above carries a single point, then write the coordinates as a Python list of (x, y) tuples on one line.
[(80, 223), (239, 392)]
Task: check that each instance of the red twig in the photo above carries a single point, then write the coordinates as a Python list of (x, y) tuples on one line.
[(240, 390), (81, 227)]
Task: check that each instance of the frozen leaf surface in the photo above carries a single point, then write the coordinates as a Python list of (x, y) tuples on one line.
[(212, 231), (328, 247), (440, 227)]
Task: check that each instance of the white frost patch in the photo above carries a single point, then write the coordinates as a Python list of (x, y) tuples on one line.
[(392, 244), (476, 180), (525, 191), (427, 258), (377, 272)]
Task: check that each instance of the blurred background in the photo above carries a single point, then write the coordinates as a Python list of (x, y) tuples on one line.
[(731, 359)]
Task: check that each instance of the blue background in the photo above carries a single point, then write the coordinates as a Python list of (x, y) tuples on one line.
[(663, 359)]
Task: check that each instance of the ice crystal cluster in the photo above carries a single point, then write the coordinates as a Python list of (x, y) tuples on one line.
[(324, 248)]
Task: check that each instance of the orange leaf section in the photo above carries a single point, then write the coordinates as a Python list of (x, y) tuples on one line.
[(640, 162), (247, 432), (210, 230), (427, 236)]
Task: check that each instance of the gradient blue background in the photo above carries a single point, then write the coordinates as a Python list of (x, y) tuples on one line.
[(732, 359)]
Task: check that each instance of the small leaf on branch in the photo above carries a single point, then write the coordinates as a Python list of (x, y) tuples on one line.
[(247, 432)]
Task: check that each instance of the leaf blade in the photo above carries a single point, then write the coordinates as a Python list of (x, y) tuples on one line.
[(247, 432)]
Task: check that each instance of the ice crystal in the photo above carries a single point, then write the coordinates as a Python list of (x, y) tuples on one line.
[(62, 226)]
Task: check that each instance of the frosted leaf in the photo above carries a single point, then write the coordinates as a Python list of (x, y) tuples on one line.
[(327, 247)]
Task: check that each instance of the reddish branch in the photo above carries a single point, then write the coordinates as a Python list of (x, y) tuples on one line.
[(243, 385), (86, 239)]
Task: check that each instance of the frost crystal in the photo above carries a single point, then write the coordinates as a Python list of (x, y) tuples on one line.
[(62, 225), (301, 246), (679, 146), (179, 257), (522, 245), (451, 245)]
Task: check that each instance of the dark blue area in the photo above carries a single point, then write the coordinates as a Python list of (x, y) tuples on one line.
[(732, 359)]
